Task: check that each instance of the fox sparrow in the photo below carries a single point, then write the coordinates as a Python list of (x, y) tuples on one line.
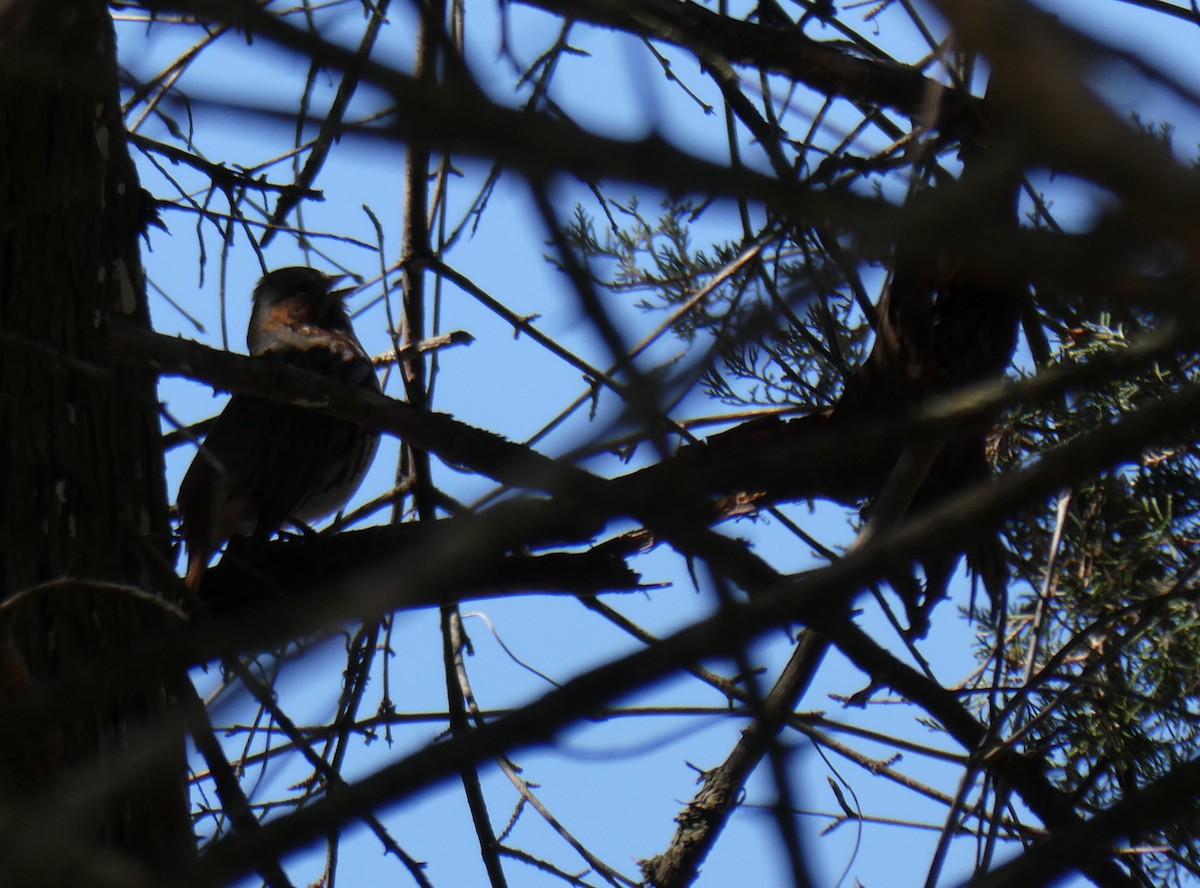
[(266, 464)]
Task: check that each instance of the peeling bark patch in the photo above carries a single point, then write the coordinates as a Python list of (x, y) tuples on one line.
[(128, 297), (102, 135)]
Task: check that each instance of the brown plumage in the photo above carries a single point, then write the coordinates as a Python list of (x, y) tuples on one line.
[(944, 322), (266, 464)]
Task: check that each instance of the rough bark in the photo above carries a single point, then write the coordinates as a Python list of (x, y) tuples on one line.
[(83, 510)]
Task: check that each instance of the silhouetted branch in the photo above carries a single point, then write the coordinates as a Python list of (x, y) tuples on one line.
[(1142, 810), (824, 67), (704, 818), (305, 567)]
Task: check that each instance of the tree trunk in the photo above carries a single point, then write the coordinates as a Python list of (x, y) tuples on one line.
[(83, 509)]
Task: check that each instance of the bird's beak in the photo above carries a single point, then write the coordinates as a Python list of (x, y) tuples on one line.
[(334, 279)]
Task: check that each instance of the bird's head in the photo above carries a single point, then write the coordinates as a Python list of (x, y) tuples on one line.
[(288, 298)]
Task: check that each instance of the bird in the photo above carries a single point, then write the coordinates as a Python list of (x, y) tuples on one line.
[(266, 464)]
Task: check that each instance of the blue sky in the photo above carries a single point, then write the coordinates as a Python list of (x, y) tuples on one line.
[(617, 785)]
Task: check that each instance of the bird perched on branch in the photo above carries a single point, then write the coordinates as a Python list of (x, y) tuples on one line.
[(948, 319), (265, 464)]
